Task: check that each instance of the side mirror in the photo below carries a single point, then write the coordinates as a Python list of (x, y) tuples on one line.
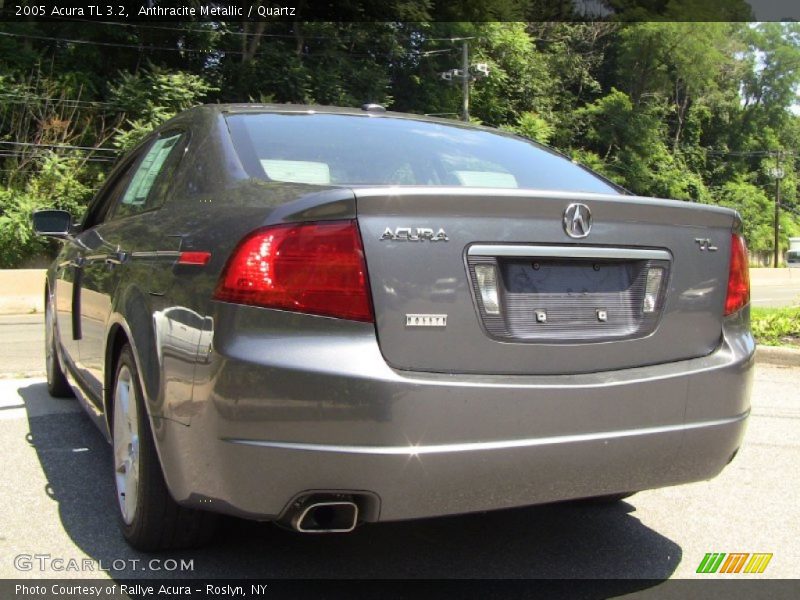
[(52, 223)]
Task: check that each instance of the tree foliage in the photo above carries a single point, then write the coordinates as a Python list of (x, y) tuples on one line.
[(150, 97), (55, 186)]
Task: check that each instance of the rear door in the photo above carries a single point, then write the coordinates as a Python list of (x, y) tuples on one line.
[(470, 280)]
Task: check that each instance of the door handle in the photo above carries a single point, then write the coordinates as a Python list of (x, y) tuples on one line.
[(116, 258)]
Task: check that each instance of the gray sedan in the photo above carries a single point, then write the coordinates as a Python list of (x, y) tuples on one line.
[(323, 317)]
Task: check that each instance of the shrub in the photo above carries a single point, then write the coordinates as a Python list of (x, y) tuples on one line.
[(56, 185), (776, 326)]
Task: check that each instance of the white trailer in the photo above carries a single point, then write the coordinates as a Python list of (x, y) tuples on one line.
[(793, 254)]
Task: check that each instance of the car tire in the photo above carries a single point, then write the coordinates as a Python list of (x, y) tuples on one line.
[(149, 517), (57, 383)]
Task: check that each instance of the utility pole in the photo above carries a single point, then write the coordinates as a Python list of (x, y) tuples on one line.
[(465, 81), (778, 172), (466, 74)]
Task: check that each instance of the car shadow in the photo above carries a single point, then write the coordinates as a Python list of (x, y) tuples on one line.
[(558, 541)]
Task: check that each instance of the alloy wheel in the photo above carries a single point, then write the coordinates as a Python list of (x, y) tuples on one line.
[(126, 443)]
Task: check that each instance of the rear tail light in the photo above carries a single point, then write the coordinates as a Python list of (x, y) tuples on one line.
[(487, 284), (652, 288), (738, 276), (315, 268)]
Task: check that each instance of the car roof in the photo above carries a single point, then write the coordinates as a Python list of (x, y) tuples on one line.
[(254, 108)]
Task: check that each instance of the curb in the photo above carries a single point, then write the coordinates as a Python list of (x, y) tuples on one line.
[(775, 355)]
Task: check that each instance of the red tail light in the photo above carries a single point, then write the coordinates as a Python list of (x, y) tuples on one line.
[(738, 276), (315, 268), (194, 258)]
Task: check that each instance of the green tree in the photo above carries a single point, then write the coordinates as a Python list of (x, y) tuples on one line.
[(756, 210), (665, 107), (150, 97)]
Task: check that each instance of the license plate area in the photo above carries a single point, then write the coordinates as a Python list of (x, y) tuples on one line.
[(549, 276), (573, 299)]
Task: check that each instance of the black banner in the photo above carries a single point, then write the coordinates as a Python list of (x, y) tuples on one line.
[(133, 11), (154, 589)]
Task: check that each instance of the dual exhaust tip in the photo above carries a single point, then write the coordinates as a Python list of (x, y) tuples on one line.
[(320, 515)]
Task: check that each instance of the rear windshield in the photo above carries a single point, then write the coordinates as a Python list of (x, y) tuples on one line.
[(323, 149)]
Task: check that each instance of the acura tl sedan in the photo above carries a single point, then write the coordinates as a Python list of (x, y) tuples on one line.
[(326, 316)]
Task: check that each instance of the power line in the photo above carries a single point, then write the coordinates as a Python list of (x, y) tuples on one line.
[(162, 48), (61, 146), (436, 52), (750, 152), (291, 36), (114, 45), (23, 155), (27, 95), (77, 103), (450, 39), (219, 31)]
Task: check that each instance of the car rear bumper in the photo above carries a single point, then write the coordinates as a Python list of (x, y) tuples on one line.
[(275, 415)]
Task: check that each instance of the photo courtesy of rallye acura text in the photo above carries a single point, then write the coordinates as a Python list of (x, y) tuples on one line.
[(325, 317)]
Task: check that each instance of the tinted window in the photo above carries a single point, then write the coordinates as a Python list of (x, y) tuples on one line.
[(139, 195), (103, 203), (325, 149)]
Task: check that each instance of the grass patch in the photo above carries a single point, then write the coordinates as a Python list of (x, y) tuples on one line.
[(776, 326)]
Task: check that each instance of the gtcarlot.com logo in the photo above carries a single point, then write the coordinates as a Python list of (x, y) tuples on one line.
[(734, 562), (47, 562)]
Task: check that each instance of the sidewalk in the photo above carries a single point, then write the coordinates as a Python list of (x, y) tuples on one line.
[(21, 291), (22, 348)]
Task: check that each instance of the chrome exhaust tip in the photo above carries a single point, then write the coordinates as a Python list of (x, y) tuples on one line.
[(329, 516)]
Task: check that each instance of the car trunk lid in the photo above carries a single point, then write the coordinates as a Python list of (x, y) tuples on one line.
[(564, 304)]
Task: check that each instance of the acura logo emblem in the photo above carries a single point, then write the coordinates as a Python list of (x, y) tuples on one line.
[(577, 220)]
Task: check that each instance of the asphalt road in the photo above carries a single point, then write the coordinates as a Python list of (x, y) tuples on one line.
[(784, 292), (57, 493), (21, 345)]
